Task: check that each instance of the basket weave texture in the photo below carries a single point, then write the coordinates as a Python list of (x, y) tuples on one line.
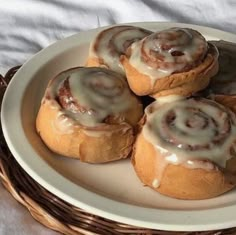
[(55, 213)]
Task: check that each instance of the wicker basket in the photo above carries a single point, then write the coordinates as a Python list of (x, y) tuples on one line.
[(52, 211)]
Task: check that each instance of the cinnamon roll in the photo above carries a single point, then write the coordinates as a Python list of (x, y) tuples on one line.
[(222, 87), (107, 47), (186, 148), (175, 61), (90, 114)]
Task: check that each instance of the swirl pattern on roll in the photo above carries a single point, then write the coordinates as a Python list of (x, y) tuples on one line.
[(189, 131), (169, 51), (90, 96), (111, 43)]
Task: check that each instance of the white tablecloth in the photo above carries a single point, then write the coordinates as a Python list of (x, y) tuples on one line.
[(27, 26)]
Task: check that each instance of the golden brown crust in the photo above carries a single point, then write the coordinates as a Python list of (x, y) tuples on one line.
[(109, 143), (141, 84), (179, 181), (186, 89), (93, 131)]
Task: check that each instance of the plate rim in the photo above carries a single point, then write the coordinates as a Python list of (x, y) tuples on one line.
[(164, 219)]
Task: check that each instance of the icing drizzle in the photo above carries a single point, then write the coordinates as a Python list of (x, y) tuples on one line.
[(193, 132), (89, 97), (168, 51), (111, 43)]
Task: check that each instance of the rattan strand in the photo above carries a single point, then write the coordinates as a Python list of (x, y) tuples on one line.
[(55, 213)]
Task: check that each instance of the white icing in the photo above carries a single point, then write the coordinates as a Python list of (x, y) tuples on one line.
[(155, 183), (62, 123), (142, 67), (111, 43), (169, 98), (206, 165), (99, 92), (188, 139), (186, 41)]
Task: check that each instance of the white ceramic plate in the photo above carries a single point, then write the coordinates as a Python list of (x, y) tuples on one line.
[(109, 190)]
